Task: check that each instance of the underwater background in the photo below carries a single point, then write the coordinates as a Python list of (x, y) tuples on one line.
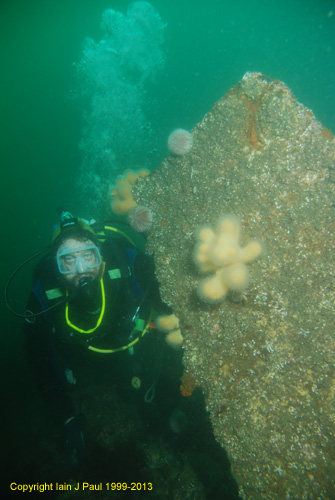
[(46, 133)]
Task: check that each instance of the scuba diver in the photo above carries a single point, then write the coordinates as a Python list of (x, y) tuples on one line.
[(93, 296)]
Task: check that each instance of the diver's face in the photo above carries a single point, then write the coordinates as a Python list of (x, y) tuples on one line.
[(78, 259)]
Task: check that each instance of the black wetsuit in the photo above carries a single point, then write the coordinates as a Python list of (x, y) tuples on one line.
[(60, 355)]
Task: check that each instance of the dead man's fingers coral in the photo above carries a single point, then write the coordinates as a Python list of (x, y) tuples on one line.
[(220, 251), (122, 200)]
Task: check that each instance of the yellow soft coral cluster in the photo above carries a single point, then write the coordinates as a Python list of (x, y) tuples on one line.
[(219, 251), (170, 326), (122, 198)]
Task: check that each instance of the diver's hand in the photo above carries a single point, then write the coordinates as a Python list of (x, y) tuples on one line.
[(74, 439)]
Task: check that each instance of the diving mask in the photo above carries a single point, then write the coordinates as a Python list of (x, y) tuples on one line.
[(81, 259)]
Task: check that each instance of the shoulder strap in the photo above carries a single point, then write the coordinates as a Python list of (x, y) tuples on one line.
[(118, 258), (132, 254), (123, 259), (46, 285), (46, 288)]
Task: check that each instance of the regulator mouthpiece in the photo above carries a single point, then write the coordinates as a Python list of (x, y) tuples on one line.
[(86, 287)]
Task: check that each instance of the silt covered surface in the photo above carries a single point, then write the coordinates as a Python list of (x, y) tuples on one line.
[(264, 358)]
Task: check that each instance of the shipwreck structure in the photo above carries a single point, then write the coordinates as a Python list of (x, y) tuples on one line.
[(262, 354)]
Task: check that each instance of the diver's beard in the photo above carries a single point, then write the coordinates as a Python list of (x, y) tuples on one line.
[(86, 289)]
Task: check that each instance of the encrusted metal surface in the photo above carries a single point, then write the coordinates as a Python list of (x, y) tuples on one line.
[(265, 360)]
